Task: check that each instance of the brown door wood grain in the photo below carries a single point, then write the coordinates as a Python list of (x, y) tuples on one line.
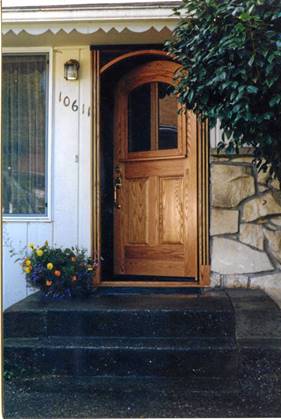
[(155, 178)]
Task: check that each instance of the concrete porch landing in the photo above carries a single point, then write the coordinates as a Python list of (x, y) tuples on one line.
[(145, 353)]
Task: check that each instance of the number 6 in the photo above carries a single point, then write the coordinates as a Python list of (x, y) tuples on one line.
[(74, 106)]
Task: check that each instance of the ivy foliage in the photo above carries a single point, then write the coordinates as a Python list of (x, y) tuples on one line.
[(230, 51)]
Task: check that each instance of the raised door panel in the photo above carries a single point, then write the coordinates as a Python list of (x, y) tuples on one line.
[(149, 267), (137, 213), (171, 210), (175, 252)]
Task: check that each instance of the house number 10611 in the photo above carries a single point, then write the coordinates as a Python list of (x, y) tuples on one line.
[(73, 105)]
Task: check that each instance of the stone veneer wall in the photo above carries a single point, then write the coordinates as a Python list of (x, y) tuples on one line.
[(245, 225)]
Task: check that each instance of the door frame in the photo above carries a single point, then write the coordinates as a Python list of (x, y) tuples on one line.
[(203, 268)]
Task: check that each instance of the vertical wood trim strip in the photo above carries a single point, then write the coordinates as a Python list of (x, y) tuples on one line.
[(96, 159), (203, 191), (203, 202), (200, 203), (207, 180), (192, 220), (154, 115)]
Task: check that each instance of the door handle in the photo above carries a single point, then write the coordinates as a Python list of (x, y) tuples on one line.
[(117, 184)]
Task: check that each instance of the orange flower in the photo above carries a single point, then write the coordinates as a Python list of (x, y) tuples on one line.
[(57, 273), (48, 283)]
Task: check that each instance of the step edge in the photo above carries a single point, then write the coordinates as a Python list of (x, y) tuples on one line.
[(101, 343)]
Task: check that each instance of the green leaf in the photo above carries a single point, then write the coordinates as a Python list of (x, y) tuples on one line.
[(252, 89), (275, 100), (251, 60), (190, 96), (244, 16)]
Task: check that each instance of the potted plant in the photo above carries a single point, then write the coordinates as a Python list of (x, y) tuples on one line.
[(59, 272)]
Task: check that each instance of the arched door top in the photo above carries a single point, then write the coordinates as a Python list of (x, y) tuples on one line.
[(153, 71), (132, 54), (153, 74)]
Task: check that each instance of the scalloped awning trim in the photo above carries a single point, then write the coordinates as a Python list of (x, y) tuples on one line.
[(89, 18), (86, 27)]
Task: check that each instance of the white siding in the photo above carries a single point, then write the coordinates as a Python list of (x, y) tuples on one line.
[(215, 135), (85, 154), (14, 288), (28, 3), (66, 122), (71, 176)]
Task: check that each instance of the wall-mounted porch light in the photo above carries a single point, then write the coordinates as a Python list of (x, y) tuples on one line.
[(71, 70)]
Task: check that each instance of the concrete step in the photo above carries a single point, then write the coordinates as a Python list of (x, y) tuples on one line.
[(145, 353), (130, 397), (67, 384), (167, 357), (205, 314)]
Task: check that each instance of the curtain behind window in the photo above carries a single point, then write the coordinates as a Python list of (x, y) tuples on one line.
[(24, 96)]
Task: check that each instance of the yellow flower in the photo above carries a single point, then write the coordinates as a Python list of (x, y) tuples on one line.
[(39, 252), (31, 246), (27, 262), (50, 266), (27, 269)]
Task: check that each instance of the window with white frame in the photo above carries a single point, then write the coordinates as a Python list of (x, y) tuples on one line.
[(24, 133)]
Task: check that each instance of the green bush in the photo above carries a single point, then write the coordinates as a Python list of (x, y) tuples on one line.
[(230, 51)]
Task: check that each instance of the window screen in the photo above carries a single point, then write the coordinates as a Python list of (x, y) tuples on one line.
[(24, 134)]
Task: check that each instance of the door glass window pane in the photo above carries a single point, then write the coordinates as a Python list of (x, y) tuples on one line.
[(152, 118), (24, 133), (167, 129), (139, 119)]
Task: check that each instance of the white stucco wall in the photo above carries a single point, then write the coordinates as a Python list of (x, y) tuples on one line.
[(70, 222)]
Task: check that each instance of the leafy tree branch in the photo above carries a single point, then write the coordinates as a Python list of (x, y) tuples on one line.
[(230, 51)]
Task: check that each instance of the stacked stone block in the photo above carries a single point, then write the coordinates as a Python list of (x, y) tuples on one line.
[(245, 224)]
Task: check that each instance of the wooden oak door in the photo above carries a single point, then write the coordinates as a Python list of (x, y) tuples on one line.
[(155, 176)]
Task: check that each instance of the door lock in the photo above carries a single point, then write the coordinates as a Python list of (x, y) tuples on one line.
[(117, 184)]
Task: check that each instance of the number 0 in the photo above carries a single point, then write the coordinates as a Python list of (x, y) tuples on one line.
[(66, 101)]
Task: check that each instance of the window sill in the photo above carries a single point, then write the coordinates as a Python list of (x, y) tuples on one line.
[(24, 219)]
